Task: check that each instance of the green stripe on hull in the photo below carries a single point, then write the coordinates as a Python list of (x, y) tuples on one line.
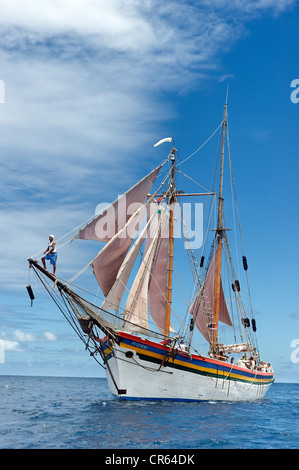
[(217, 373), (220, 374)]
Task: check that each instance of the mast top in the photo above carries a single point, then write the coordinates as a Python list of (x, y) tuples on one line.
[(220, 228)]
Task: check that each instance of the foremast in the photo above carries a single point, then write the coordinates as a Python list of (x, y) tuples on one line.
[(220, 231), (172, 198)]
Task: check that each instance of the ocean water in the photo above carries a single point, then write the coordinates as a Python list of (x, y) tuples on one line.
[(81, 413)]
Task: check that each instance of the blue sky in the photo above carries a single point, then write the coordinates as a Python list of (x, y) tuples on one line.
[(90, 86)]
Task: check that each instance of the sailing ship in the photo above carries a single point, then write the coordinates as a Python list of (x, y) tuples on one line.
[(148, 348)]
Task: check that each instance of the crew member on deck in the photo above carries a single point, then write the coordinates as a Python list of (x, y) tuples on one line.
[(51, 254), (222, 356), (242, 361)]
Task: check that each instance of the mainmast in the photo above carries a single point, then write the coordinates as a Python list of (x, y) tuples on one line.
[(220, 234), (172, 193)]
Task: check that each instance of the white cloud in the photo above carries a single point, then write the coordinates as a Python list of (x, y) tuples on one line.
[(243, 8), (49, 336), (10, 345), (117, 23), (12, 340), (22, 337), (82, 76)]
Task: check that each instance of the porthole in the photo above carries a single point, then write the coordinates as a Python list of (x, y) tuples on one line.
[(129, 354)]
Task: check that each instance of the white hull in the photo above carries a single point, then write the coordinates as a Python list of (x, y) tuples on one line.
[(135, 378)]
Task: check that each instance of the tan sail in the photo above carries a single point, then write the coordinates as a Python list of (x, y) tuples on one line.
[(149, 287), (110, 221), (109, 260), (157, 299), (136, 305), (202, 308), (116, 293)]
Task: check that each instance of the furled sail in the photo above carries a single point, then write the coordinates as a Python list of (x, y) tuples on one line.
[(202, 307), (113, 218), (237, 348)]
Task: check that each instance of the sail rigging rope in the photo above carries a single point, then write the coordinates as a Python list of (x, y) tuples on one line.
[(90, 262), (37, 256), (240, 230), (199, 148), (198, 283), (60, 301), (194, 181)]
